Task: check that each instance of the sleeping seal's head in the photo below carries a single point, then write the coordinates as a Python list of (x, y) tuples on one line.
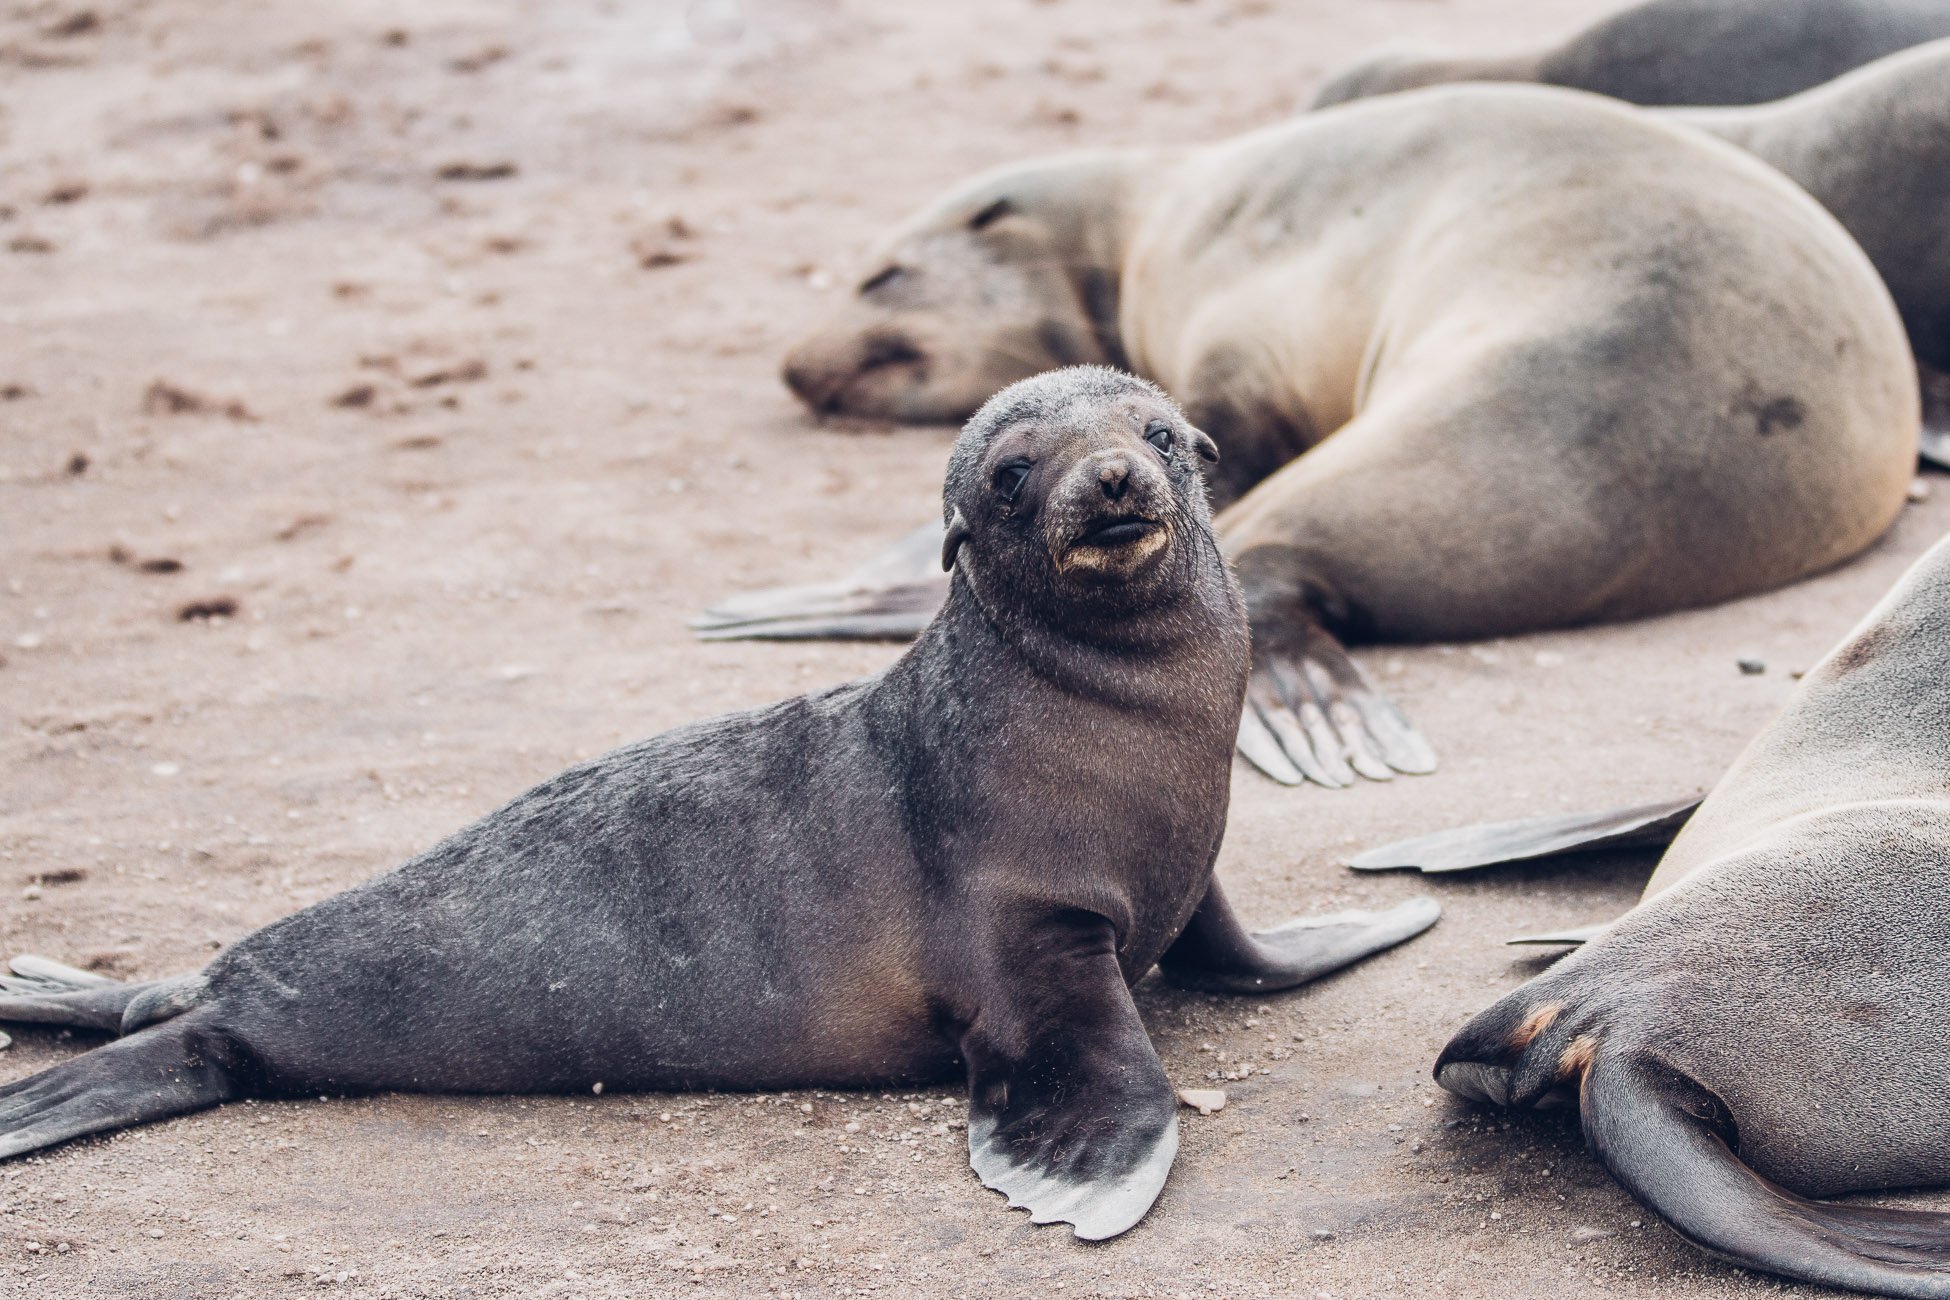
[(1079, 492), (1002, 278)]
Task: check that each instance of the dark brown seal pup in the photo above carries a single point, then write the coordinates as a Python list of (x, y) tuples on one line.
[(1482, 360), (1768, 1024), (959, 863), (1683, 52)]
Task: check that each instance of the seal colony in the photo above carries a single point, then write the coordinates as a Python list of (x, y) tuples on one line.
[(1767, 1024), (871, 883), (1602, 365), (1682, 52)]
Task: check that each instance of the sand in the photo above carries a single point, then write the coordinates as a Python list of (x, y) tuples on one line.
[(381, 386)]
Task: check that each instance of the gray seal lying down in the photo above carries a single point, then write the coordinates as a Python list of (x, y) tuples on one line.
[(1768, 1024), (960, 863), (1682, 52)]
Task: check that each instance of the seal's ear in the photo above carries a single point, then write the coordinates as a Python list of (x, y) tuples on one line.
[(957, 534), (1207, 449)]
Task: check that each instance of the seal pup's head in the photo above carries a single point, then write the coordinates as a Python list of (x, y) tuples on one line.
[(1077, 492), (1000, 279)]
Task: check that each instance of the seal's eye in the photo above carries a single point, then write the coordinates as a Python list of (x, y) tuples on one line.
[(991, 214), (1009, 478), (879, 278), (1158, 434)]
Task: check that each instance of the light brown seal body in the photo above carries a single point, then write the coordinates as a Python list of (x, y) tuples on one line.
[(1769, 1023), (1874, 148), (1481, 360), (1681, 52)]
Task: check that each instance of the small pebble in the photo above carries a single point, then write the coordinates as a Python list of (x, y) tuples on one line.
[(1752, 667), (1206, 1101), (1584, 1234)]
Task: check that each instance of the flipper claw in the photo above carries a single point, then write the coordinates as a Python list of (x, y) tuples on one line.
[(1311, 711)]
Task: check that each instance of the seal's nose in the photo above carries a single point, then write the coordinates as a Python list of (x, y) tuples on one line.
[(807, 382), (1114, 476)]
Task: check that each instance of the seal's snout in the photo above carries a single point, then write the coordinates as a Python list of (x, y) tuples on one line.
[(1114, 475)]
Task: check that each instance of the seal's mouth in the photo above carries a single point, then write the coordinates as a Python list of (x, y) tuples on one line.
[(1121, 531), (1114, 545)]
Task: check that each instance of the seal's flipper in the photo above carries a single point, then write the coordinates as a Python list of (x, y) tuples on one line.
[(42, 992), (171, 1069), (1566, 938), (1665, 1138), (1313, 715), (1216, 953), (1070, 1113), (889, 598), (1651, 825)]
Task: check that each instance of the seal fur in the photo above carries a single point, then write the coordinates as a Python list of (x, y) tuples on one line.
[(1681, 52), (959, 864), (1766, 1026)]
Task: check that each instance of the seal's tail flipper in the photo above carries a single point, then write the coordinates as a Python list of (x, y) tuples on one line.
[(1313, 715), (1651, 825), (889, 598), (1665, 1139), (170, 1069)]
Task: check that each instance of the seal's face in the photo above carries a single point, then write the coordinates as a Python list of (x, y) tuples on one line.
[(972, 297), (1086, 478)]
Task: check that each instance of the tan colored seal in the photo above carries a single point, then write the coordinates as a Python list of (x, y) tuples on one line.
[(1481, 360), (1768, 1024), (1681, 52), (1874, 147)]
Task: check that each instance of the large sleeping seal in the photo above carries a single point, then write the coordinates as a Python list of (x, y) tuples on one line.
[(1769, 1023), (960, 863), (1482, 360), (1682, 52)]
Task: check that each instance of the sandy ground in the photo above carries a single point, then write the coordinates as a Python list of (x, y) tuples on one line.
[(432, 349)]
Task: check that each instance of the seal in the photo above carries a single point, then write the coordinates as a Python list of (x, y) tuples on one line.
[(1766, 1025), (1682, 52), (1482, 360), (1873, 147), (960, 863)]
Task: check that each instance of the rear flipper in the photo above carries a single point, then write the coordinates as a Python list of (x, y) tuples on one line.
[(42, 992), (1070, 1113), (889, 598), (170, 1069), (1215, 953), (1564, 938), (1652, 825), (1669, 1141), (1666, 1139), (1313, 715)]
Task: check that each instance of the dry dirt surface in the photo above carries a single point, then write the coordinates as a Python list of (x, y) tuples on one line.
[(380, 387)]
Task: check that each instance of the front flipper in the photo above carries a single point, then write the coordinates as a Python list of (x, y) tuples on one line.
[(1313, 715), (1651, 825), (1070, 1114), (1215, 953), (889, 598)]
